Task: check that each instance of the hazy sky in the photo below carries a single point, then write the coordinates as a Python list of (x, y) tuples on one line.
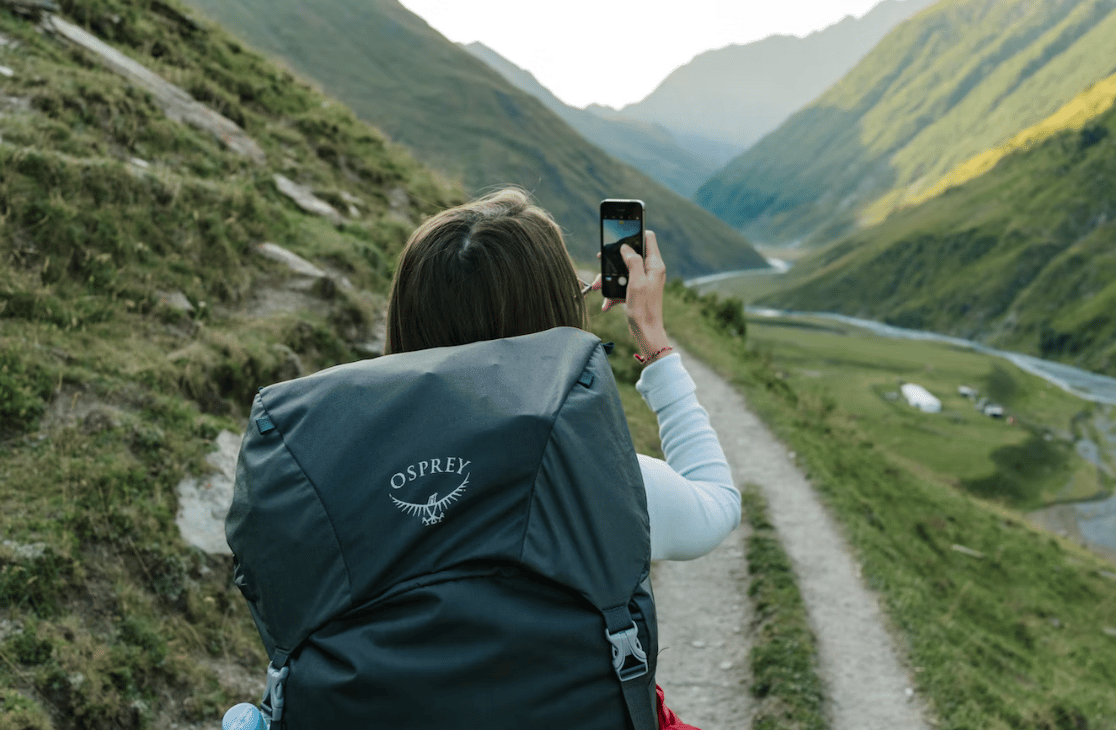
[(616, 52)]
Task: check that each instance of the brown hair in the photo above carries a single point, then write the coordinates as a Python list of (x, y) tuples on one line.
[(493, 268)]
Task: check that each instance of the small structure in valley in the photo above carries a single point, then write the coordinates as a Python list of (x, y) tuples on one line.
[(920, 398)]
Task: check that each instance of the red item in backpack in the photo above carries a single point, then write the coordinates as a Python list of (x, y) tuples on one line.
[(667, 719)]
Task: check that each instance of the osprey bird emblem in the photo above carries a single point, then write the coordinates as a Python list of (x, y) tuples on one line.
[(434, 509)]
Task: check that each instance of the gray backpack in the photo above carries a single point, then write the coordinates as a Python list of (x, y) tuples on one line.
[(448, 538)]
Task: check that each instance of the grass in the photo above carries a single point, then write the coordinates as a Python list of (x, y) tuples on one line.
[(785, 682), (108, 395), (1026, 460), (1077, 113), (1015, 638)]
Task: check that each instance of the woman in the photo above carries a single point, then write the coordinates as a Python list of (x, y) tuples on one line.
[(498, 267)]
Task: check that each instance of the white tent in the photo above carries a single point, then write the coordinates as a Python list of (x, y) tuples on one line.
[(920, 398)]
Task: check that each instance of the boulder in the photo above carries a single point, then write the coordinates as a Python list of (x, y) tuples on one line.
[(293, 261), (203, 503), (306, 200), (175, 300)]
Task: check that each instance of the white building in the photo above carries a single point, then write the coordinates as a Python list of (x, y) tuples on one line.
[(920, 398)]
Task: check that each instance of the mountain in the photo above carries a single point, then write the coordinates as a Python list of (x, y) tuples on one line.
[(460, 117), (646, 147), (960, 78), (737, 94), (1020, 257)]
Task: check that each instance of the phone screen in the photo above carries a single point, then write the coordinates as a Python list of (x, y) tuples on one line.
[(621, 222)]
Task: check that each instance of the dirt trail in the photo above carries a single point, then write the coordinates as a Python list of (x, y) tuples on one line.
[(703, 615), (866, 681)]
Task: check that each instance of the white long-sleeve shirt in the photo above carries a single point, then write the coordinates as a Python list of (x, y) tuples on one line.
[(692, 504)]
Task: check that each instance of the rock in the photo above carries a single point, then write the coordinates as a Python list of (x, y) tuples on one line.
[(29, 552), (398, 199), (726, 665), (100, 419), (9, 628), (175, 300), (378, 344), (17, 103), (73, 406), (142, 164), (293, 261), (5, 71), (1109, 630), (306, 200), (697, 644), (204, 503), (292, 363), (967, 551)]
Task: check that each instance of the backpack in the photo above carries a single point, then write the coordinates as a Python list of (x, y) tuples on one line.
[(451, 536)]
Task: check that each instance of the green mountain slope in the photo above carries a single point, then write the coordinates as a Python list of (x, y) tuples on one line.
[(1021, 257), (959, 78), (461, 117), (647, 147)]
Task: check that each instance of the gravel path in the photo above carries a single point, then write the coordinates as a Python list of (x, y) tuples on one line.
[(703, 616), (703, 600)]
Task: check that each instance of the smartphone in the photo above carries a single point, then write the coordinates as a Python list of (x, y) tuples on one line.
[(621, 222)]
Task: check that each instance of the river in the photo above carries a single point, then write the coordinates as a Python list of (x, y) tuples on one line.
[(1082, 383), (1092, 522)]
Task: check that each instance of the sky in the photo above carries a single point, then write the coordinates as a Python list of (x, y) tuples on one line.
[(615, 52)]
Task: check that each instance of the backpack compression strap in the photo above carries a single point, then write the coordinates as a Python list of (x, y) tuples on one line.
[(630, 662)]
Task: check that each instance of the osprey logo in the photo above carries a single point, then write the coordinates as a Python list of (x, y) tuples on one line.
[(434, 510)]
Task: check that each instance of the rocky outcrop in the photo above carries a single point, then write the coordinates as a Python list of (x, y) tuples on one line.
[(204, 502)]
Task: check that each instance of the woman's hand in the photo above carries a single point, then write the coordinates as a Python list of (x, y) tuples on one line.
[(646, 281)]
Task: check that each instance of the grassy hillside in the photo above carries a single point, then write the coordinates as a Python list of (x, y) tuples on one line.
[(461, 117), (136, 321), (1021, 257), (957, 79), (1079, 112)]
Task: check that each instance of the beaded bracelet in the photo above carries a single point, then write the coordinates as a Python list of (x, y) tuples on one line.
[(644, 360)]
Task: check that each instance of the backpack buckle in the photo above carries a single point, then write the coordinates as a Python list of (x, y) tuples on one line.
[(628, 657), (274, 698)]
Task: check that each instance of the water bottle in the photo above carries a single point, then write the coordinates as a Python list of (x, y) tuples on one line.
[(243, 717)]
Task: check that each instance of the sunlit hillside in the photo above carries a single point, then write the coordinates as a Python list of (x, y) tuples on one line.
[(959, 78), (1084, 108)]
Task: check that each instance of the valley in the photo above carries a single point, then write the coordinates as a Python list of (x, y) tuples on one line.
[(1054, 445)]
